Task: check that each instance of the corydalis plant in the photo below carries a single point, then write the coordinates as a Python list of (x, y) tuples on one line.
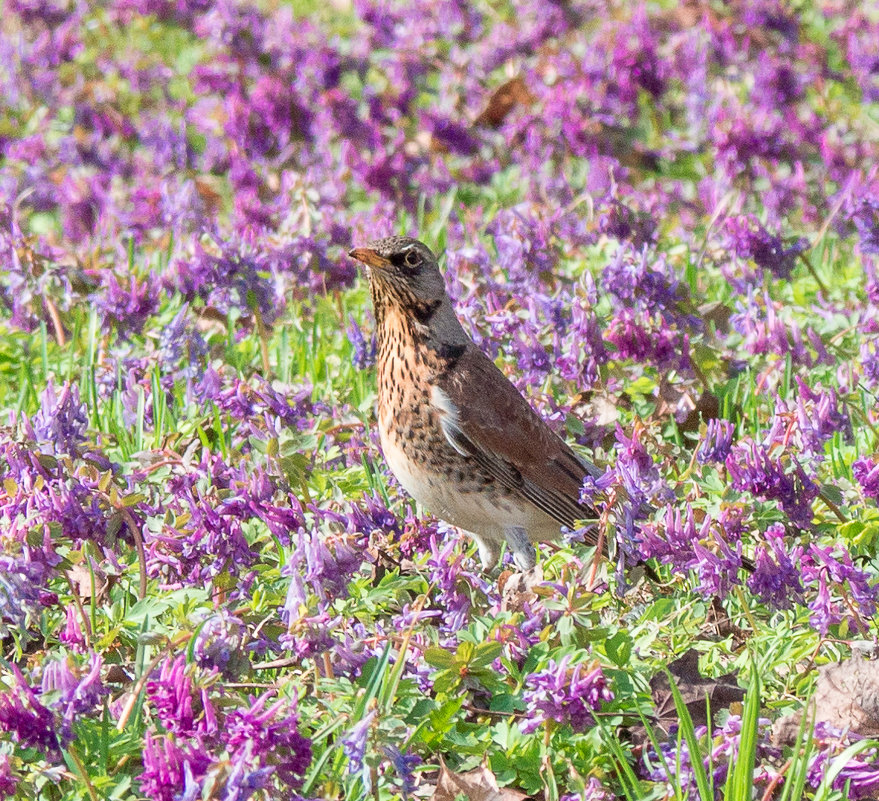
[(564, 694)]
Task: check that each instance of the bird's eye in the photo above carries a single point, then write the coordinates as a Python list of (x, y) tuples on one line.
[(412, 259)]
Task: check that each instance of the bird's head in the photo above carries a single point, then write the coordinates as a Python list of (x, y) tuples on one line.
[(402, 271)]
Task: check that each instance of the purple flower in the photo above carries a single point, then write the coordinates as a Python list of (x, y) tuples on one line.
[(70, 694), (237, 277), (822, 564), (31, 724), (180, 340), (219, 642), (635, 61), (364, 353), (750, 240), (565, 695), (404, 765), (648, 339), (21, 595), (776, 578), (354, 741), (243, 778), (753, 470), (623, 223), (786, 575), (129, 308), (581, 349), (677, 765), (858, 37), (703, 549), (716, 442), (454, 584), (641, 475), (273, 734), (170, 694), (372, 516), (450, 135), (869, 360), (524, 244), (865, 216), (858, 777), (594, 791), (635, 484), (72, 633), (169, 767), (641, 281), (61, 421), (866, 473), (8, 778), (819, 417)]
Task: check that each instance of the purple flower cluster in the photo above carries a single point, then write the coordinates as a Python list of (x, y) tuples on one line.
[(675, 766), (858, 776), (27, 720), (253, 745), (866, 473), (752, 469), (640, 479), (712, 549), (750, 240), (566, 695), (806, 575), (658, 221), (716, 442)]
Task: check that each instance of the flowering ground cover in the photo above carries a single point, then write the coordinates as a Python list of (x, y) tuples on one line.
[(661, 220)]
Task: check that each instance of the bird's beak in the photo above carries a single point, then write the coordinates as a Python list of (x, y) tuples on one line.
[(369, 257)]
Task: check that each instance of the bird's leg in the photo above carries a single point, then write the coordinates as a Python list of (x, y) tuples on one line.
[(489, 551), (523, 551)]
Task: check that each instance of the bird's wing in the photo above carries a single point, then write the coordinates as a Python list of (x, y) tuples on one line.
[(484, 417)]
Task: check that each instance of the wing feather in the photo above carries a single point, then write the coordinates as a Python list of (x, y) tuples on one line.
[(507, 438)]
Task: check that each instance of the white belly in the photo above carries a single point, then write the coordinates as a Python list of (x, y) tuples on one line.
[(475, 512)]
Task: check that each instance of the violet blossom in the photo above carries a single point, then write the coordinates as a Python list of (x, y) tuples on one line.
[(566, 695)]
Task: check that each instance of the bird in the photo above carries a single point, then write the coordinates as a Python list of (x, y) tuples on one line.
[(455, 432)]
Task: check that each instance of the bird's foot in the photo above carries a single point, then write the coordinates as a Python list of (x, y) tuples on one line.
[(521, 547)]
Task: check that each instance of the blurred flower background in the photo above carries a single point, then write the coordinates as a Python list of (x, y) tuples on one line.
[(662, 221)]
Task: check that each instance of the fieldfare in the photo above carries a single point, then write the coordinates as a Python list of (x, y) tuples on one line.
[(455, 432)]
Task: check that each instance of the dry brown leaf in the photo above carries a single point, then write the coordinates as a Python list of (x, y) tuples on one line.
[(503, 100), (81, 582), (694, 689), (688, 409), (517, 589), (846, 697), (475, 785), (716, 313), (602, 408)]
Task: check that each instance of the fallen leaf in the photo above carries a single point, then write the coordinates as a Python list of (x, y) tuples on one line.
[(475, 785), (517, 589), (687, 409), (81, 582), (503, 100), (603, 408), (846, 696), (718, 314), (694, 689)]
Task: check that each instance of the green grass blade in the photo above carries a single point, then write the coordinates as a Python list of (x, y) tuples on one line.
[(689, 735), (740, 784)]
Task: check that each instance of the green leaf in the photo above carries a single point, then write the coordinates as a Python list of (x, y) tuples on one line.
[(619, 648), (485, 653), (439, 657)]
